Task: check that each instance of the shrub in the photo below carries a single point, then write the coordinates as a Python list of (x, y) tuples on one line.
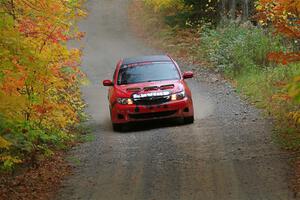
[(242, 53), (236, 48), (22, 141)]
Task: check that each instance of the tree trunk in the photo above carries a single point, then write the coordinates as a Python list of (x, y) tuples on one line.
[(223, 9), (232, 9), (245, 10)]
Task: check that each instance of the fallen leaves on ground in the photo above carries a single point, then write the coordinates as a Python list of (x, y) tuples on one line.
[(40, 182)]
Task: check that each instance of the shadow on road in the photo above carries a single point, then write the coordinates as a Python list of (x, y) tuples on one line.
[(149, 125)]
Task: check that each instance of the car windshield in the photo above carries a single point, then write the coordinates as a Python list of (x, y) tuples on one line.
[(138, 73)]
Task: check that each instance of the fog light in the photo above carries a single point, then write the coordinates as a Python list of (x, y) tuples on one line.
[(129, 102), (124, 101), (173, 97), (178, 96)]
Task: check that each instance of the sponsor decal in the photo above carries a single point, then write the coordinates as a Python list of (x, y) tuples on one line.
[(152, 94)]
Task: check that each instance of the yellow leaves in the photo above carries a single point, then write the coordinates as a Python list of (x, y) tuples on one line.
[(295, 116), (165, 5), (259, 7), (62, 116), (39, 74), (12, 106), (85, 82), (297, 79), (81, 13), (4, 144), (294, 89), (10, 159)]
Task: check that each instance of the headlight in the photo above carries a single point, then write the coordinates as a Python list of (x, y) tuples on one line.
[(124, 101), (178, 96)]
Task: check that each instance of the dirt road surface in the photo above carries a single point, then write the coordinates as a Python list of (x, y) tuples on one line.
[(226, 154)]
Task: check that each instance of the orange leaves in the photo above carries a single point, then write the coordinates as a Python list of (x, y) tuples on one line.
[(42, 29), (283, 97), (39, 69), (40, 100), (40, 109), (283, 14), (14, 80), (293, 5), (79, 35), (47, 21), (28, 27), (284, 58)]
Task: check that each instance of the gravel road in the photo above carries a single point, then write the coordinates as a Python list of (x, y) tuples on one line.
[(226, 154)]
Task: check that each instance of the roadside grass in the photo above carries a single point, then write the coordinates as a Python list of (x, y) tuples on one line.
[(264, 87), (74, 160), (87, 138), (239, 52)]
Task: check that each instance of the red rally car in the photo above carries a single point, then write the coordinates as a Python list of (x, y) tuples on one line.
[(146, 88)]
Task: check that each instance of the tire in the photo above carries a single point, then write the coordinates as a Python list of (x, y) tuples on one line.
[(117, 127), (188, 120)]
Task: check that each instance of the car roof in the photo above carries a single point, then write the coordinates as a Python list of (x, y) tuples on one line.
[(141, 59)]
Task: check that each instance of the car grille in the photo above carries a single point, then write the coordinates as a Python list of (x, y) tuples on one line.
[(152, 115), (152, 100)]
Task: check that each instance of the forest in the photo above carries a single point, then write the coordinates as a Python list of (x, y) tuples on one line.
[(251, 48), (253, 44)]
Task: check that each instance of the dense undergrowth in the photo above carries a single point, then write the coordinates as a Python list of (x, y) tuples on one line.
[(239, 50)]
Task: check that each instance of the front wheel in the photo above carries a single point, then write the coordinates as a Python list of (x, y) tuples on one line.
[(188, 120)]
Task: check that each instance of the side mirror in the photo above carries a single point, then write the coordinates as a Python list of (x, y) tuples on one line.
[(187, 75), (108, 83)]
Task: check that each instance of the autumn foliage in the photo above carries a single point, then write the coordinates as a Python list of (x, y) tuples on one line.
[(39, 96), (169, 6), (284, 17), (282, 14), (259, 49)]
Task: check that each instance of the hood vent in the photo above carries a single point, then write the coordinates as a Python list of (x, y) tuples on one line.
[(151, 88), (166, 87), (134, 89)]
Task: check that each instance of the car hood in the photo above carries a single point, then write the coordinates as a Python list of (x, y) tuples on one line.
[(172, 86)]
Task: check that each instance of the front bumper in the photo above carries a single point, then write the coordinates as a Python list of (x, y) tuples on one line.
[(172, 109)]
